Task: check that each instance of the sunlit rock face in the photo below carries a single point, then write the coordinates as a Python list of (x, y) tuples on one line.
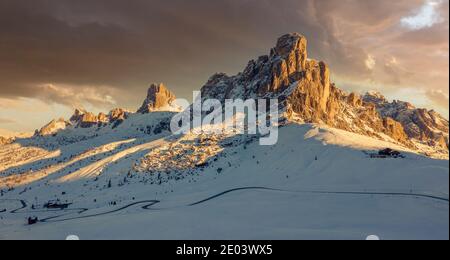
[(269, 75), (304, 89), (102, 118), (425, 126), (158, 98), (77, 116), (83, 119), (395, 130), (53, 127), (301, 84), (118, 114)]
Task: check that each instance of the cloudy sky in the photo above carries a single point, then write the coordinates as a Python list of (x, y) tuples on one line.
[(59, 54)]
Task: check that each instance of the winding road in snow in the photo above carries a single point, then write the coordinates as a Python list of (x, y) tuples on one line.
[(148, 204), (415, 195), (24, 205)]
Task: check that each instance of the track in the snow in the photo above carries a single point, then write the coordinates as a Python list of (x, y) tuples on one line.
[(402, 194), (150, 203), (24, 205)]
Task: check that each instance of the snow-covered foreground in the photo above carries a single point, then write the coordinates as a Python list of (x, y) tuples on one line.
[(316, 183)]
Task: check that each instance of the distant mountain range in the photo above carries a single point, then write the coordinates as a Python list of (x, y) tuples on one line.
[(307, 95)]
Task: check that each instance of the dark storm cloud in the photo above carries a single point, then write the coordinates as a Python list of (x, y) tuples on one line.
[(100, 47)]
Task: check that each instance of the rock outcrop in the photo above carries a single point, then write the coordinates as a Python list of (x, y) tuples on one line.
[(88, 120), (304, 89), (53, 127), (395, 130), (77, 116), (158, 98), (421, 125), (82, 118), (102, 118), (118, 114)]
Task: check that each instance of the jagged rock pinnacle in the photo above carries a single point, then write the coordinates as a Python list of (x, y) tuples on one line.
[(292, 48), (304, 88), (158, 97)]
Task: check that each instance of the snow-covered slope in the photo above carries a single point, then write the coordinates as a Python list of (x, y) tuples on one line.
[(317, 182), (43, 152)]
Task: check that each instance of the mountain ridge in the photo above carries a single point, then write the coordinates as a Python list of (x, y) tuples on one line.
[(424, 125), (304, 89), (159, 99)]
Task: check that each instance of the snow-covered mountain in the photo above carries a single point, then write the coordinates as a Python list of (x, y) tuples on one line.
[(124, 175), (158, 98), (53, 127), (315, 183), (423, 126), (303, 86)]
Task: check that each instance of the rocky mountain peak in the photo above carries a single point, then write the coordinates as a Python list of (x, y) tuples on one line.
[(77, 115), (158, 98), (306, 93), (118, 114), (292, 48), (79, 112), (270, 75), (421, 125), (84, 119), (53, 127), (375, 97)]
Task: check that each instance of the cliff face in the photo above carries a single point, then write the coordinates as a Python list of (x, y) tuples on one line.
[(421, 125), (304, 89), (158, 98), (53, 127), (84, 119)]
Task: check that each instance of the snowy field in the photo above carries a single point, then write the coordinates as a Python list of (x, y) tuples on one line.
[(316, 183)]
